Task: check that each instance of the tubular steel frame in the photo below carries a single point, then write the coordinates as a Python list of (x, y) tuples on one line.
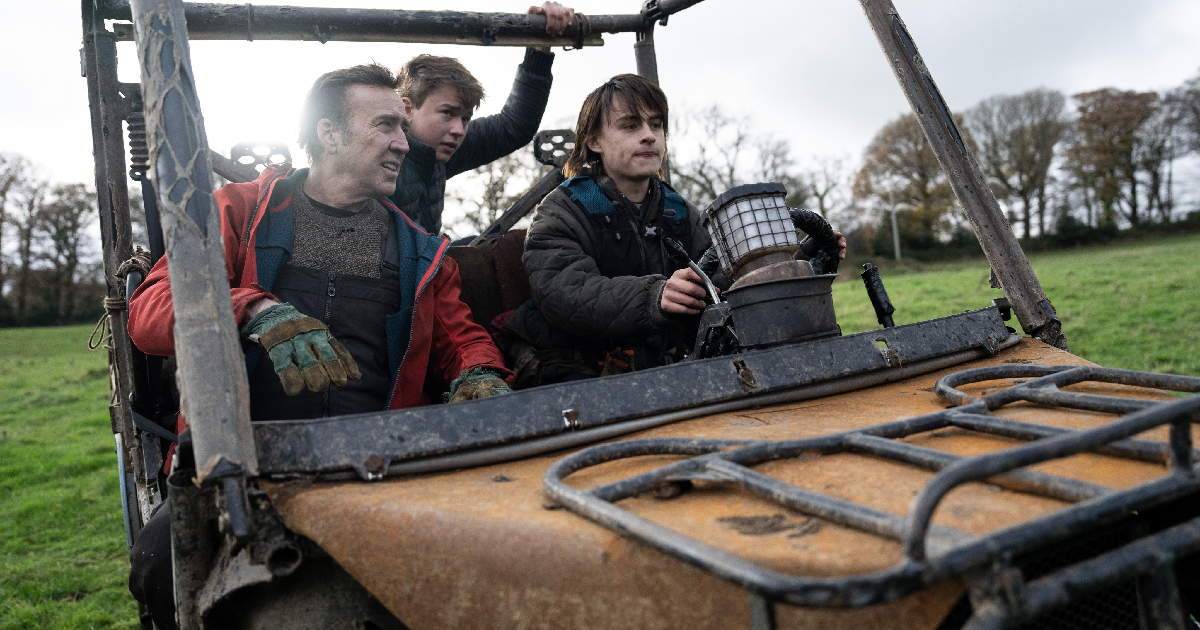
[(113, 103), (933, 553)]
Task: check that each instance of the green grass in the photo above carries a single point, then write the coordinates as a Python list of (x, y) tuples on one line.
[(63, 560), (1132, 305)]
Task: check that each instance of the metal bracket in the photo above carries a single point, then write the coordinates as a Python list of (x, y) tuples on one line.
[(552, 147), (254, 154), (236, 515), (651, 11), (1051, 331)]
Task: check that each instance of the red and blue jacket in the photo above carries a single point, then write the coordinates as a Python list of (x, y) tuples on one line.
[(432, 336)]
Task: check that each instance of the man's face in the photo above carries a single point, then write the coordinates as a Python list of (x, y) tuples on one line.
[(630, 146), (440, 122), (370, 154)]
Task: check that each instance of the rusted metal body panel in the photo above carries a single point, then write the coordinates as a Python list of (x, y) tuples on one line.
[(479, 548)]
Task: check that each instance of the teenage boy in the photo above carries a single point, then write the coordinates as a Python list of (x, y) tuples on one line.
[(606, 296), (440, 95)]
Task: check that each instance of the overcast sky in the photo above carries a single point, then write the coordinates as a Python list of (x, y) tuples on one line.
[(809, 71)]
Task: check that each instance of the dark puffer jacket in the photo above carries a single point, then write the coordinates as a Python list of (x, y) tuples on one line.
[(597, 275), (421, 184)]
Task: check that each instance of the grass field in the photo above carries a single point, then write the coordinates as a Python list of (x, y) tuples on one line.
[(63, 561), (1133, 305)]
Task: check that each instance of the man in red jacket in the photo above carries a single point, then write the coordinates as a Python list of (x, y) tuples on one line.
[(345, 306)]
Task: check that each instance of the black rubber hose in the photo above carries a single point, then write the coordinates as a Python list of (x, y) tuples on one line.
[(709, 262), (826, 260)]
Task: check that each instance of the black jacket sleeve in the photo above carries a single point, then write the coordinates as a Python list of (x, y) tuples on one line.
[(566, 283), (493, 137)]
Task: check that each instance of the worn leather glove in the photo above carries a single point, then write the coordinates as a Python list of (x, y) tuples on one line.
[(474, 384), (302, 350)]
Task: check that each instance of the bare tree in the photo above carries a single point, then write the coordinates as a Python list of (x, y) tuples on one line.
[(26, 219), (486, 192), (1186, 101), (62, 226), (1157, 148), (714, 143), (774, 163), (713, 151), (12, 173), (824, 180), (1017, 136)]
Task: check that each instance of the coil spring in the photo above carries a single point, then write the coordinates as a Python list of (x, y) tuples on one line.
[(139, 150)]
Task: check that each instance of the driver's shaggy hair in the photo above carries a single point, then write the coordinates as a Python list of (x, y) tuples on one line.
[(637, 93)]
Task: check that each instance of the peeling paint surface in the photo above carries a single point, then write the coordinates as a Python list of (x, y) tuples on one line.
[(478, 548)]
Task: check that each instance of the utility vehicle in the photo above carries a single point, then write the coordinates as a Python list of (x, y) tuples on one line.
[(945, 474)]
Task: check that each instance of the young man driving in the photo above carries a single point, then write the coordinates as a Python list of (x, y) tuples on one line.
[(606, 296)]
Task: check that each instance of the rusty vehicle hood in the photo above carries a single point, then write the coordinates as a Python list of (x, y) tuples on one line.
[(483, 548)]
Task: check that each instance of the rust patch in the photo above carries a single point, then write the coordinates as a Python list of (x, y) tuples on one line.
[(554, 565)]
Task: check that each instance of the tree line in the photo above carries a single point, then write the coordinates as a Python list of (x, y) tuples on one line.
[(50, 271), (1065, 169)]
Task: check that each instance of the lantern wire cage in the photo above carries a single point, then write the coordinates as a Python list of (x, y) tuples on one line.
[(749, 220)]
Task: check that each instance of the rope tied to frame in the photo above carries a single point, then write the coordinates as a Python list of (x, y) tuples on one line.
[(101, 336), (140, 261)]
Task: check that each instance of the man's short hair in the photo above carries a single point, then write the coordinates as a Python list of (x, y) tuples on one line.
[(424, 74), (327, 99), (636, 93)]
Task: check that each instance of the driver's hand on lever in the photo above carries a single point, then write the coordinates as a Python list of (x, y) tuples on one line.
[(683, 293)]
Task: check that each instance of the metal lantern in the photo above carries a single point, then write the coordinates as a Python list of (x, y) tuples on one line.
[(750, 222)]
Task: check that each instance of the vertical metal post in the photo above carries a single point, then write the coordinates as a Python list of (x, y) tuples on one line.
[(762, 613), (647, 65), (1016, 276), (211, 367), (643, 53), (122, 478), (99, 60), (895, 232)]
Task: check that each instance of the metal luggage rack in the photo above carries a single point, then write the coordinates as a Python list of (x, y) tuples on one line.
[(999, 594)]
